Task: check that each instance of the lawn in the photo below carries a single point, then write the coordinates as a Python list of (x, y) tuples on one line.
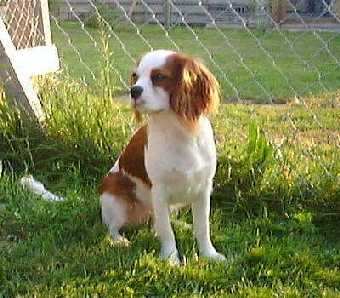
[(275, 207)]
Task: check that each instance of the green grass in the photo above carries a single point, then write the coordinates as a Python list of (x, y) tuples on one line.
[(275, 207), (301, 57), (62, 250)]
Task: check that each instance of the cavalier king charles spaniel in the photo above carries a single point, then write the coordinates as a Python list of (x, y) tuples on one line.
[(171, 160)]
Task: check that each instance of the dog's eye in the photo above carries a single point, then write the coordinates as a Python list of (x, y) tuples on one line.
[(158, 77)]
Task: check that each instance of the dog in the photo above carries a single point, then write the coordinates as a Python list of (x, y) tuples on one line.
[(170, 161)]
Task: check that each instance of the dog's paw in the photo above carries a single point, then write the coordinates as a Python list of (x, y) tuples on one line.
[(214, 256), (171, 256), (119, 241)]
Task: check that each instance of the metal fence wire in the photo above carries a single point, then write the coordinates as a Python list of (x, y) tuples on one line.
[(250, 17), (23, 22)]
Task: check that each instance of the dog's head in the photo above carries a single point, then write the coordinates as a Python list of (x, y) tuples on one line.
[(165, 80)]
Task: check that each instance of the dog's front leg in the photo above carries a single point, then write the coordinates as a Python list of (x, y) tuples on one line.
[(162, 224), (201, 211)]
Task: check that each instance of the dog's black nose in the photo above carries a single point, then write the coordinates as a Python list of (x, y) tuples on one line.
[(136, 91)]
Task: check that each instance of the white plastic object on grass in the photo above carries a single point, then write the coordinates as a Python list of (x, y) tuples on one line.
[(38, 188)]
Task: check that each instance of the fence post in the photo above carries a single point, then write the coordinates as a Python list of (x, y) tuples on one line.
[(45, 21), (336, 8), (167, 14), (279, 11), (132, 8)]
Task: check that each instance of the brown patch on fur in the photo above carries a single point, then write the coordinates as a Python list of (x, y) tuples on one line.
[(117, 184), (132, 160), (160, 77), (138, 115), (124, 190), (193, 89)]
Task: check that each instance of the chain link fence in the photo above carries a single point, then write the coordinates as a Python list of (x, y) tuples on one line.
[(23, 20), (254, 20)]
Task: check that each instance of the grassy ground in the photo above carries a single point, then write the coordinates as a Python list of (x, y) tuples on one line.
[(275, 208)]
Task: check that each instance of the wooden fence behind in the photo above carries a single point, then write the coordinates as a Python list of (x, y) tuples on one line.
[(192, 12)]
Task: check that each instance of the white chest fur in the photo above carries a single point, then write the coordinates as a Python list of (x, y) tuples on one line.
[(176, 159)]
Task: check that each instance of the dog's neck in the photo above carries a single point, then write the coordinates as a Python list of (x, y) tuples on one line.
[(170, 122)]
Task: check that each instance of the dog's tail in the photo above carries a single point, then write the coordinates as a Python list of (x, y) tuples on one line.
[(38, 188)]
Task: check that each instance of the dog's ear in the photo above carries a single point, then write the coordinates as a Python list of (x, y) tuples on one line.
[(196, 92)]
